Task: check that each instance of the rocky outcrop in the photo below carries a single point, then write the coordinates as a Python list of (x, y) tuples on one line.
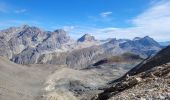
[(87, 38), (77, 59), (153, 71), (54, 41), (23, 44), (27, 56), (160, 58)]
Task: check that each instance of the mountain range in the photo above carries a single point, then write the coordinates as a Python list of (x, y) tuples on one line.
[(165, 43), (31, 45), (49, 65)]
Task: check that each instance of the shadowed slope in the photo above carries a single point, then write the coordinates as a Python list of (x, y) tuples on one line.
[(155, 68)]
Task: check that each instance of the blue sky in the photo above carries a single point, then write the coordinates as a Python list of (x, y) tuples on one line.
[(102, 18)]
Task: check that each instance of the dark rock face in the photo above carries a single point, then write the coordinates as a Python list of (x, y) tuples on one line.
[(87, 38), (27, 56), (126, 57), (103, 61), (157, 67)]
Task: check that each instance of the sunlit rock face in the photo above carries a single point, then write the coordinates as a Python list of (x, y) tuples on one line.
[(29, 45), (87, 38)]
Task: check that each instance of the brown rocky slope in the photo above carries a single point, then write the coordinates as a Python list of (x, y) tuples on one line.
[(150, 80)]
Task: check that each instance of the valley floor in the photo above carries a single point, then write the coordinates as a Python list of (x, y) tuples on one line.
[(51, 82)]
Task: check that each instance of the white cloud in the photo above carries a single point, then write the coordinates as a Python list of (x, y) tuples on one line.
[(7, 8), (154, 22), (68, 28), (105, 14), (20, 11), (104, 17)]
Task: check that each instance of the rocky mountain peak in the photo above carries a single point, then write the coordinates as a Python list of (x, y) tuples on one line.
[(136, 38), (148, 41), (87, 38), (25, 26), (143, 38), (113, 41), (147, 37), (33, 28), (60, 35), (60, 31), (27, 31)]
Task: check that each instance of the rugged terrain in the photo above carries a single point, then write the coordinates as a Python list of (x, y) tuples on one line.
[(83, 57), (32, 45), (51, 82), (148, 80), (49, 65)]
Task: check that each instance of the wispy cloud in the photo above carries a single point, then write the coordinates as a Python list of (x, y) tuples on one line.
[(7, 8), (20, 11), (105, 14), (154, 21), (156, 18), (102, 17), (68, 28)]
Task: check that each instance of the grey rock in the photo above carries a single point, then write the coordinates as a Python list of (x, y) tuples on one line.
[(82, 58), (17, 41), (87, 38), (27, 56), (29, 45)]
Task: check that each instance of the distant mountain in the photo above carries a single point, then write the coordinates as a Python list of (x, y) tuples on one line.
[(20, 38), (106, 40), (29, 45), (164, 43), (144, 46), (87, 38), (147, 41), (144, 77), (84, 57)]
